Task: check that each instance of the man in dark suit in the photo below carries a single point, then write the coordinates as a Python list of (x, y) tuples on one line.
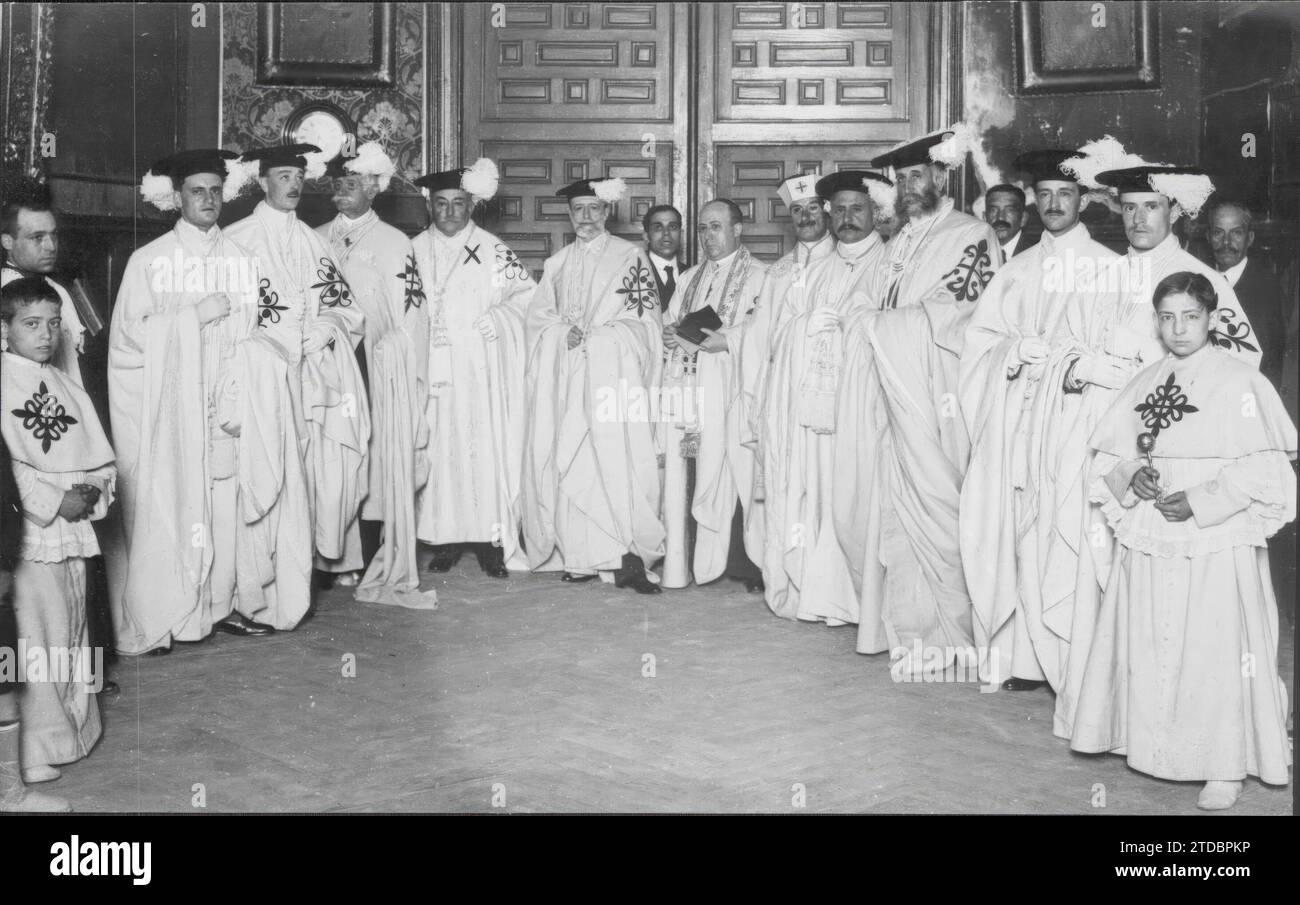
[(663, 240), (1004, 210), (1230, 234)]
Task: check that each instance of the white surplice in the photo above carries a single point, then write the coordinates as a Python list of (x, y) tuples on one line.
[(709, 424), (1181, 674)]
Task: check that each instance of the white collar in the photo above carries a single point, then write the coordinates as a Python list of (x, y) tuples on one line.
[(1011, 243), (724, 263), (661, 263), (276, 218), (851, 251), (1233, 273), (442, 238), (206, 234), (595, 246), (811, 245), (1168, 245)]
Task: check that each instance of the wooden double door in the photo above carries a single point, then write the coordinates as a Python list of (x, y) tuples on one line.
[(684, 101)]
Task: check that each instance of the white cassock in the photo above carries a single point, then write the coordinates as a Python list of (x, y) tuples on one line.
[(476, 404), (72, 333), (805, 570), (1181, 674), (378, 263), (1028, 297), (708, 425), (591, 476), (175, 395), (1074, 552), (56, 442), (932, 274), (301, 291)]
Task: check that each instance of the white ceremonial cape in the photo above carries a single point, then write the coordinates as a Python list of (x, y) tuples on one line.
[(165, 374), (476, 408), (1074, 543), (301, 287), (72, 333), (378, 263), (1182, 674), (1028, 297), (591, 476), (932, 274), (708, 387), (806, 573)]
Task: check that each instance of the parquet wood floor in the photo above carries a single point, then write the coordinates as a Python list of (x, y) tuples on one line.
[(531, 692)]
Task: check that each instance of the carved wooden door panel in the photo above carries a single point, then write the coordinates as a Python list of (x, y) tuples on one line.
[(556, 92), (685, 101)]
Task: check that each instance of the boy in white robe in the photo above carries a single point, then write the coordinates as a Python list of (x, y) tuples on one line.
[(63, 467), (1193, 471), (379, 265), (307, 308), (478, 297)]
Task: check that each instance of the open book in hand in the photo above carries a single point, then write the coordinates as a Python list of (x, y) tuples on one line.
[(691, 327)]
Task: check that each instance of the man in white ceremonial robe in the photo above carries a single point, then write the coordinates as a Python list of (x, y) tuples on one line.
[(308, 309), (1112, 336), (185, 312), (708, 471), (782, 293), (591, 475), (807, 572), (934, 271), (478, 294), (1006, 498), (378, 263)]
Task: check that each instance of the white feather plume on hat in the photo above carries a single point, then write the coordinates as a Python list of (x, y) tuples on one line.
[(159, 191), (953, 149), (481, 179), (1189, 191), (1106, 153), (372, 161), (316, 164), (610, 191), (239, 176), (883, 197)]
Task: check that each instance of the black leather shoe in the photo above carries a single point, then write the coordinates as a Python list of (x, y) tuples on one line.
[(444, 558), (492, 561), (575, 579), (1016, 684), (235, 624), (755, 585), (632, 575)]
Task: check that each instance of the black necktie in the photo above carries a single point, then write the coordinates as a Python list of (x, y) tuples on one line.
[(670, 285)]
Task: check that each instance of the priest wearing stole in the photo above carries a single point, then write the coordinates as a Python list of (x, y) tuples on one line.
[(708, 472), (306, 307), (591, 476), (478, 295), (1112, 335), (190, 559), (804, 565), (1008, 500), (934, 270), (378, 263)]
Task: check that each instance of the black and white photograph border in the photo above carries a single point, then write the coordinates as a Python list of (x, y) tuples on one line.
[(429, 500)]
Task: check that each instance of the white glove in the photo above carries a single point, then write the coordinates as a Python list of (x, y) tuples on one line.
[(315, 339), (485, 326), (822, 320), (1032, 350), (1104, 370)]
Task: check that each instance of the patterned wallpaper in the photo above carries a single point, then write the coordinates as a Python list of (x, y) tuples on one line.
[(254, 115)]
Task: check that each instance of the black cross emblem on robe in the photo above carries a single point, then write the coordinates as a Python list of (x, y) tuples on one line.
[(471, 254)]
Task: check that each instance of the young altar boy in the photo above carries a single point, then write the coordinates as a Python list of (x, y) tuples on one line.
[(63, 466), (1193, 470)]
